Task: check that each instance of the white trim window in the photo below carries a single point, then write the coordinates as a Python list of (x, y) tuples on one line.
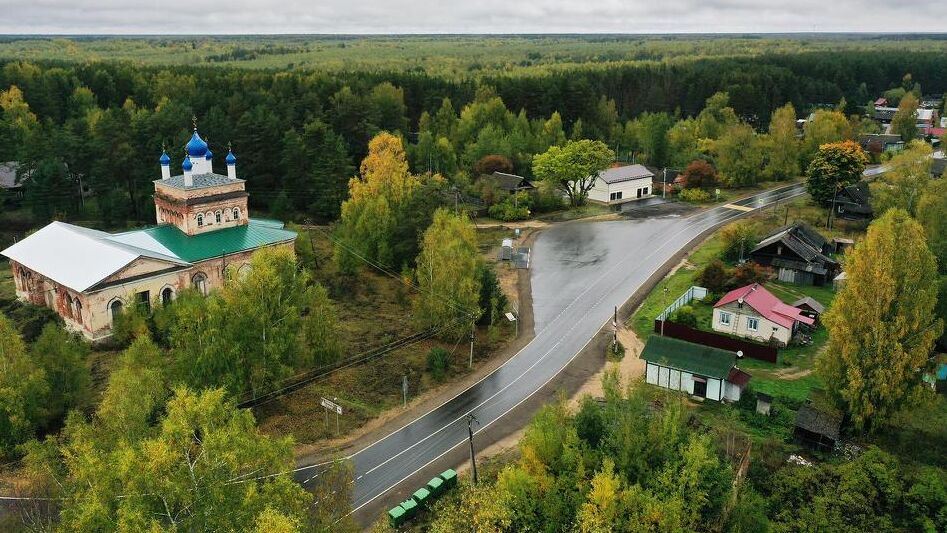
[(218, 217), (200, 219), (725, 318), (236, 213), (614, 196), (752, 324)]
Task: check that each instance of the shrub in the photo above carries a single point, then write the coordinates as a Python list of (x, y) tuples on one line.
[(698, 173), (714, 276), (514, 207), (685, 316), (493, 163), (696, 196), (738, 238), (438, 360), (750, 272)]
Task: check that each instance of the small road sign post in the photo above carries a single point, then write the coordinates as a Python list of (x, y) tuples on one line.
[(516, 324), (330, 405)]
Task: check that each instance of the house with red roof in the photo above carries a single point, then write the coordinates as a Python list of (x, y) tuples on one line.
[(752, 312)]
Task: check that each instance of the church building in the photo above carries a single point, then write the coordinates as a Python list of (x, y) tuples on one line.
[(203, 235)]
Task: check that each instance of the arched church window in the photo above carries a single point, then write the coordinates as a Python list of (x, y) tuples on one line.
[(236, 213), (167, 295), (200, 219), (199, 282), (116, 309), (218, 217), (77, 311)]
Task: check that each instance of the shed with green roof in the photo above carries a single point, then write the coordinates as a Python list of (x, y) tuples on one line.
[(696, 369)]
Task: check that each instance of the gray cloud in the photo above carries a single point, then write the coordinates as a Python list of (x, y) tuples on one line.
[(466, 16)]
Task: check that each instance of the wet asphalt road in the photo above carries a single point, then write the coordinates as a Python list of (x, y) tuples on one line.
[(580, 272)]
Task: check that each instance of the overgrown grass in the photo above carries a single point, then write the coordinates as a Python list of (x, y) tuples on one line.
[(7, 288), (642, 321), (373, 310)]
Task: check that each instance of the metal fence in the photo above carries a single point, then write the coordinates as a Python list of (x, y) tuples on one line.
[(691, 294), (752, 350)]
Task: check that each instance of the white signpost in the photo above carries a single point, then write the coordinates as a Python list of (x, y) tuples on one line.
[(332, 406)]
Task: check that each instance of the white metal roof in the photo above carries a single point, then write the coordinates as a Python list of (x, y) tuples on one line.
[(79, 257), (625, 173)]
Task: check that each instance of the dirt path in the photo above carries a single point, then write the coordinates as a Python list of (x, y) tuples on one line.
[(792, 373)]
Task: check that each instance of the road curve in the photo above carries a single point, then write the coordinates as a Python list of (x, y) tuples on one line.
[(580, 272)]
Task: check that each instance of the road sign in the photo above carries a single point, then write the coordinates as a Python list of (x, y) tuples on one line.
[(332, 406), (510, 317)]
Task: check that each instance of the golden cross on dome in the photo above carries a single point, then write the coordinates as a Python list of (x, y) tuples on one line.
[(194, 121)]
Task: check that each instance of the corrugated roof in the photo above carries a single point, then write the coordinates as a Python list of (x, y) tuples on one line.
[(625, 173), (766, 304), (211, 244), (78, 257), (199, 181), (689, 357)]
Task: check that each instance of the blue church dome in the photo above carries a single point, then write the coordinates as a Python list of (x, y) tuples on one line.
[(209, 155), (164, 159), (231, 159), (187, 166), (196, 147)]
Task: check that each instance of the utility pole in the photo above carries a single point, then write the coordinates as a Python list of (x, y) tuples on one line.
[(404, 388), (470, 364), (664, 187), (473, 457), (615, 329)]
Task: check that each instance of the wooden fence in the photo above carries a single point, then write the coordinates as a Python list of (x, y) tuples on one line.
[(752, 350)]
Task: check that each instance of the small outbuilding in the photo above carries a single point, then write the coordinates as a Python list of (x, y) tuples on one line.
[(809, 307), (764, 403), (818, 428), (508, 183), (698, 370)]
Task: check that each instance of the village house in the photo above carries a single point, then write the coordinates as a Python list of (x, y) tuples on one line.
[(508, 183), (622, 184), (698, 370), (752, 312), (798, 253), (204, 234), (8, 179), (854, 202)]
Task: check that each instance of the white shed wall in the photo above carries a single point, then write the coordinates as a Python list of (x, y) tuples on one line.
[(601, 191)]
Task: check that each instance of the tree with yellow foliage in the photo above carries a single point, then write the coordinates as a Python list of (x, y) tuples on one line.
[(882, 327)]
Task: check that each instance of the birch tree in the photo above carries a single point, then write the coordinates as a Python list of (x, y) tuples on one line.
[(882, 327)]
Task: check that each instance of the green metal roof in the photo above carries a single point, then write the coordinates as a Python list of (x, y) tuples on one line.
[(687, 356), (212, 243)]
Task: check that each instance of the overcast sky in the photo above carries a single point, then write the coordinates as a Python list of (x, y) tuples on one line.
[(468, 16)]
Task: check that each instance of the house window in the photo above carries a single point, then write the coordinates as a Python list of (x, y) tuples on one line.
[(200, 220), (218, 217), (615, 196), (236, 213), (725, 318), (752, 324), (199, 281), (646, 191)]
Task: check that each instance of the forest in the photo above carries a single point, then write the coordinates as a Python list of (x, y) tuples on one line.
[(100, 125)]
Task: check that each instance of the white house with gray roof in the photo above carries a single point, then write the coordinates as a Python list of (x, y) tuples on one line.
[(622, 184)]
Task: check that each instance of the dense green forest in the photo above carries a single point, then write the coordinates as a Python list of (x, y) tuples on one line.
[(83, 114)]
